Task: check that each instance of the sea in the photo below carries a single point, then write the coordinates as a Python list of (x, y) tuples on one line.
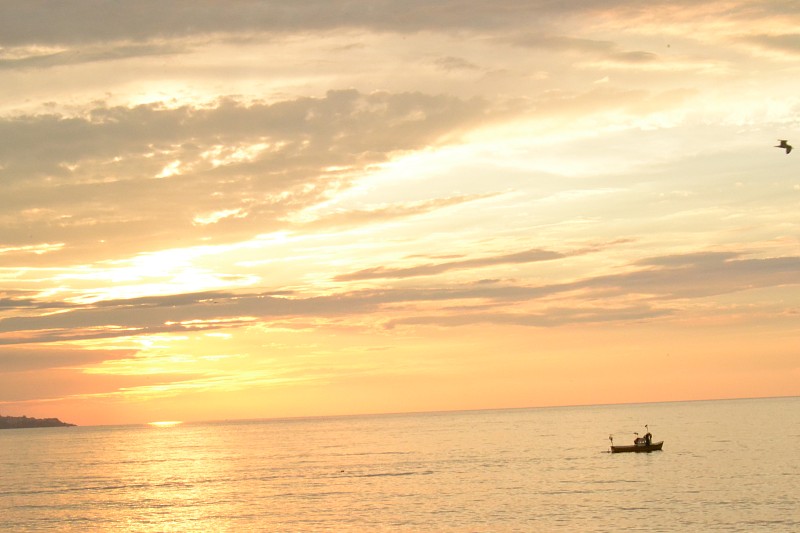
[(731, 465)]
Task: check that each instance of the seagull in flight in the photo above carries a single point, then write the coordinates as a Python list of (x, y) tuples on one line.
[(785, 145)]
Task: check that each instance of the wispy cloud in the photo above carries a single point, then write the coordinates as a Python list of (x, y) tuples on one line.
[(399, 210), (22, 359), (587, 47), (552, 317), (528, 256), (666, 278), (40, 59), (105, 170), (75, 23), (786, 42)]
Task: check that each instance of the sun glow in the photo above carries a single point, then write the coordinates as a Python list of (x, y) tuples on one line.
[(165, 423)]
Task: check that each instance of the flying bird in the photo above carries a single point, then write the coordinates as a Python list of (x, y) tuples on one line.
[(785, 145)]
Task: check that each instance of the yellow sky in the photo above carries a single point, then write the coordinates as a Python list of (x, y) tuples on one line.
[(284, 209)]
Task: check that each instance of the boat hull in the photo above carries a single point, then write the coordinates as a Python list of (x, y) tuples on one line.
[(638, 448)]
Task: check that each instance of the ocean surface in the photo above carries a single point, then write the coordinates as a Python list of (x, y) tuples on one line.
[(729, 465)]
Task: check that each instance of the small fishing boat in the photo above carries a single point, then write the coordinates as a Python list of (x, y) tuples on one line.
[(640, 444), (654, 447)]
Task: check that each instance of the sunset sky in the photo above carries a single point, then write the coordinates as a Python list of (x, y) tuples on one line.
[(241, 209)]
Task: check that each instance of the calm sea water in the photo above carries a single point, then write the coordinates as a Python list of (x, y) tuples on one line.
[(726, 466)]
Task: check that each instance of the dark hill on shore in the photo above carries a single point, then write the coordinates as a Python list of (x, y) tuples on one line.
[(19, 422)]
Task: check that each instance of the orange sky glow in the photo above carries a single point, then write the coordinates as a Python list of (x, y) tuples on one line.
[(274, 209)]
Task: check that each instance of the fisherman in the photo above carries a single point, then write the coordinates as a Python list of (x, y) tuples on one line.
[(648, 438)]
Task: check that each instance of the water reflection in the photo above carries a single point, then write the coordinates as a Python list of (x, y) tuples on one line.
[(516, 470), (165, 423)]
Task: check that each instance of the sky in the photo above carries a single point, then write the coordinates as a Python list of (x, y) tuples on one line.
[(252, 209)]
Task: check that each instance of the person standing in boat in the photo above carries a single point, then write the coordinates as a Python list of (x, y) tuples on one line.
[(648, 438)]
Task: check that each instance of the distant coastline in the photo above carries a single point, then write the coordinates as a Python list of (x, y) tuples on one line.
[(22, 422)]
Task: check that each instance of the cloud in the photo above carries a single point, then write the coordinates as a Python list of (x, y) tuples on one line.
[(91, 21), (552, 317), (702, 274), (17, 303), (787, 42), (55, 384), (663, 279), (51, 372), (587, 48), (343, 127), (114, 173), (673, 278), (385, 212), (528, 256), (451, 63), (634, 57), (33, 58), (21, 300), (25, 359), (81, 25)]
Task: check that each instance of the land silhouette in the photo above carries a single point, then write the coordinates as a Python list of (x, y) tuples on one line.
[(21, 422)]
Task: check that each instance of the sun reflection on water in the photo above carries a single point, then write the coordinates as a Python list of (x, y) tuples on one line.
[(165, 423)]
